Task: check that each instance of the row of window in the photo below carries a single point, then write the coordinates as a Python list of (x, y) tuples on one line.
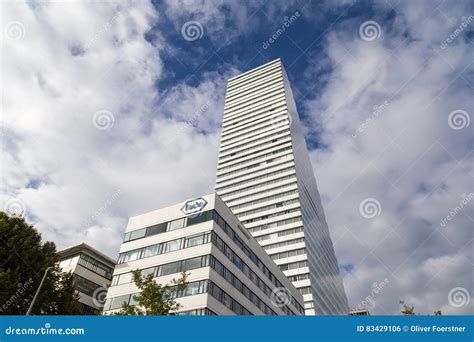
[(253, 85), (84, 285), (192, 288), (257, 196), (254, 179), (95, 266), (260, 185), (274, 225), (264, 217), (280, 234), (299, 277), (263, 200), (269, 207), (241, 102), (249, 273), (256, 88), (257, 127), (283, 244), (263, 101), (281, 150), (227, 300), (164, 269), (164, 247), (288, 254), (250, 254), (260, 102), (241, 153), (253, 166), (168, 226), (255, 76), (197, 312), (254, 142), (305, 290), (241, 287), (293, 265)]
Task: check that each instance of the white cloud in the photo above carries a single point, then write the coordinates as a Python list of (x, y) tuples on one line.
[(405, 155), (73, 61)]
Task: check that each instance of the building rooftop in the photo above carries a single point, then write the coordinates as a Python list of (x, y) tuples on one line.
[(83, 247)]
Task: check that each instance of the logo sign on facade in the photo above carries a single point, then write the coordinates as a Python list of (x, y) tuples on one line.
[(193, 206)]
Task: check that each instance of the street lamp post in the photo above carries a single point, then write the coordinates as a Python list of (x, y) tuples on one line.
[(38, 291)]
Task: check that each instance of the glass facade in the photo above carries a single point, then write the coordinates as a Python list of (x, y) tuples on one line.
[(264, 175)]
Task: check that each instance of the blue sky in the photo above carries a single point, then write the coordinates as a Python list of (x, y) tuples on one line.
[(109, 112)]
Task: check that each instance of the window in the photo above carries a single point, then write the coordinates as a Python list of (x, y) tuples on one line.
[(201, 217), (117, 302), (132, 255), (226, 300), (176, 224), (124, 278), (151, 251), (171, 246), (191, 264), (148, 271), (169, 268), (137, 234), (156, 229), (191, 289), (195, 240)]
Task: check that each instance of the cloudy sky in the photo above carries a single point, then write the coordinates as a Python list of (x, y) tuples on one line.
[(111, 109)]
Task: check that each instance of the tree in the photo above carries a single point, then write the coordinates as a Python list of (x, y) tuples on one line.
[(154, 298), (24, 259), (407, 310)]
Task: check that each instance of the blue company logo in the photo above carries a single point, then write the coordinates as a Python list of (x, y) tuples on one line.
[(193, 206)]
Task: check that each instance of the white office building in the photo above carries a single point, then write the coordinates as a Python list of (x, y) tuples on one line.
[(265, 177), (229, 272), (92, 272)]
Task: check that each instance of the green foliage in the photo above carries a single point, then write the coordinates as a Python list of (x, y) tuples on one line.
[(154, 298), (24, 260), (407, 310)]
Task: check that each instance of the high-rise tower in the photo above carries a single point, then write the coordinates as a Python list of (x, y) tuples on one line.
[(265, 176)]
